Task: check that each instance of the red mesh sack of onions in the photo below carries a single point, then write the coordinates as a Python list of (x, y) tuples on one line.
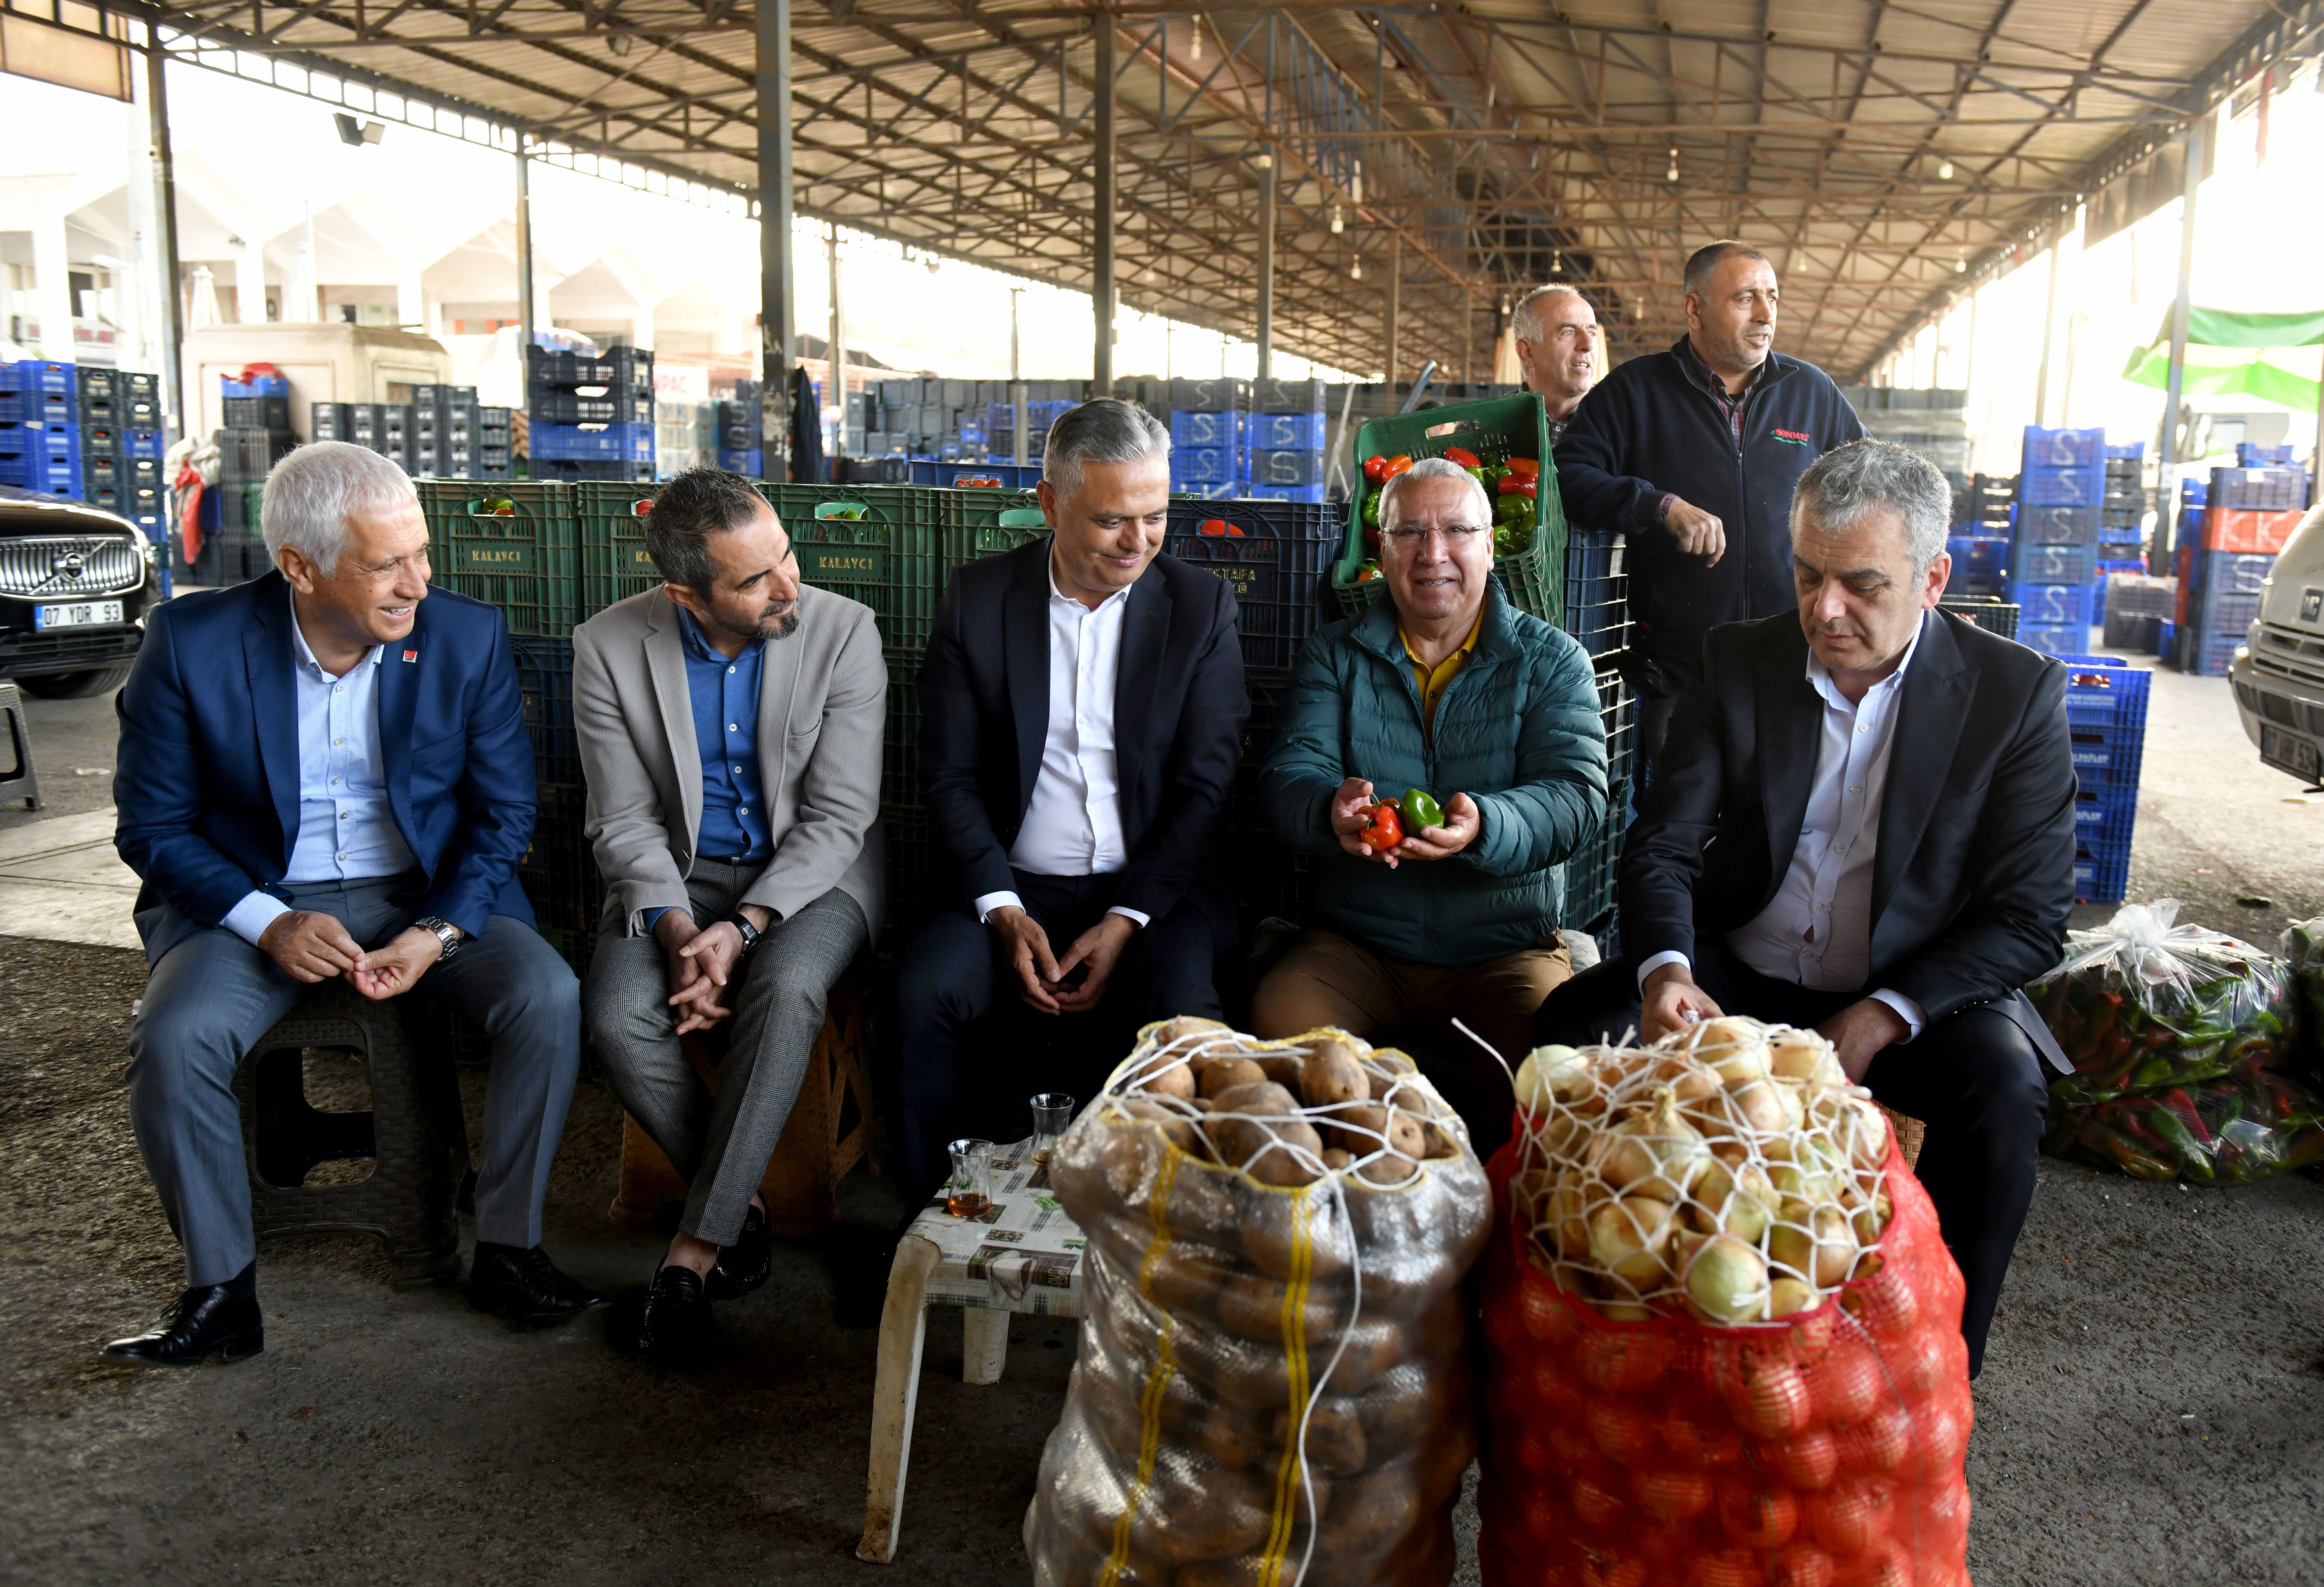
[(1723, 1334)]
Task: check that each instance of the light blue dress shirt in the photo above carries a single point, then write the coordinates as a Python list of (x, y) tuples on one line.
[(346, 828), (723, 692)]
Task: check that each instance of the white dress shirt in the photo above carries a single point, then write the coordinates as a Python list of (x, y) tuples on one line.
[(346, 828), (1073, 822), (1817, 930)]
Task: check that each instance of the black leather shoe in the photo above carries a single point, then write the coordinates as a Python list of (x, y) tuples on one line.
[(525, 1285), (745, 1265), (208, 1320), (673, 1329)]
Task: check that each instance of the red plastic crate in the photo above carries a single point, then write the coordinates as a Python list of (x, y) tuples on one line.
[(2229, 528)]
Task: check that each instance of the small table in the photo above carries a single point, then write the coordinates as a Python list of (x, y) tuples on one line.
[(1024, 1255)]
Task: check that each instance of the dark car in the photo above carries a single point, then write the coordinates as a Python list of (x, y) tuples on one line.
[(76, 583)]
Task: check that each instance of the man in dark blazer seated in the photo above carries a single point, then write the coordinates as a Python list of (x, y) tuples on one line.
[(1082, 706), (325, 772), (1866, 823)]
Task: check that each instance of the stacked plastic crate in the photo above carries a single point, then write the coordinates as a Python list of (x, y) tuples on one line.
[(1979, 541), (121, 445), (2054, 547), (2122, 512), (590, 418), (1283, 441), (1000, 427), (742, 436), (2105, 718), (255, 437), (2248, 514), (40, 426), (1597, 612), (1208, 418), (2137, 605), (441, 435)]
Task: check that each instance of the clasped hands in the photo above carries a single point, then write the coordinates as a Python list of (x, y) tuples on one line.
[(1041, 974), (1462, 822), (312, 947), (1671, 1001), (701, 960)]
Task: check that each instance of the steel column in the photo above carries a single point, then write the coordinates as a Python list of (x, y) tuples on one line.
[(777, 266), (1265, 266), (2049, 316), (524, 305), (1395, 306), (2171, 389), (1102, 289), (165, 167), (838, 350)]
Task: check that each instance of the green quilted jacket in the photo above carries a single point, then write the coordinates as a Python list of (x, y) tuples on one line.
[(1517, 729)]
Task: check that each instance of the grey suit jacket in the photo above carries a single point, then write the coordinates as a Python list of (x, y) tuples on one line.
[(822, 712)]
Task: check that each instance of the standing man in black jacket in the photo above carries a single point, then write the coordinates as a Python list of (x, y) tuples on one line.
[(1865, 823), (1693, 452)]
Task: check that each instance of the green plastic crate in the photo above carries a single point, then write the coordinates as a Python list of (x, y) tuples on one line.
[(888, 557), (1494, 430), (899, 763), (614, 565), (527, 564), (981, 521)]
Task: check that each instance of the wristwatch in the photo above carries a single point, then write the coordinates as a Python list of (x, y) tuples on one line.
[(751, 934), (445, 933)]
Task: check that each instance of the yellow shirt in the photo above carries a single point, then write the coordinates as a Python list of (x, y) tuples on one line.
[(1432, 680)]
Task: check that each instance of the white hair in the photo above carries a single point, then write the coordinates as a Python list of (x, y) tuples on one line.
[(1526, 317), (1850, 480), (1433, 468), (311, 492), (1102, 431)]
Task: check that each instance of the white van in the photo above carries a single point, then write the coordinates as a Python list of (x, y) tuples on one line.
[(2279, 674)]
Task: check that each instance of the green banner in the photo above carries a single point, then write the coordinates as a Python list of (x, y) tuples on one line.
[(2224, 327), (2218, 372)]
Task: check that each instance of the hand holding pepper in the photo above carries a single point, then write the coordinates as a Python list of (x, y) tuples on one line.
[(1353, 816), (1462, 822)]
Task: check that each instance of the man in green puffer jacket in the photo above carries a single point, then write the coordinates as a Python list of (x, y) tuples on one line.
[(1446, 687)]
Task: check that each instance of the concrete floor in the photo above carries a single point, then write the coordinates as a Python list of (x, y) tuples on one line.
[(2148, 1415)]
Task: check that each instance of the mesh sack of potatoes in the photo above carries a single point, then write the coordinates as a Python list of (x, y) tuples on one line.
[(1273, 1383), (1723, 1333)]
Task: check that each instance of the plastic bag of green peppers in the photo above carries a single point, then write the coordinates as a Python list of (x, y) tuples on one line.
[(2142, 1003), (2250, 1125), (2301, 946)]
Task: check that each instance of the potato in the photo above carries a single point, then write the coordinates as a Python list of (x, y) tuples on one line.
[(1184, 1026), (1272, 1150), (1264, 1096), (1331, 1075), (1165, 1076), (1233, 1439), (1187, 1274), (1441, 1141), (1180, 1132), (1384, 1069), (1338, 1159), (1252, 1307), (1283, 1068), (1335, 1438), (1225, 1077)]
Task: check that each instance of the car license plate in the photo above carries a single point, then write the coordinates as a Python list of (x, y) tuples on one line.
[(78, 615), (2285, 752)]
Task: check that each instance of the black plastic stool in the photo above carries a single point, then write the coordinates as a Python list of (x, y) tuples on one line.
[(19, 783), (414, 1134)]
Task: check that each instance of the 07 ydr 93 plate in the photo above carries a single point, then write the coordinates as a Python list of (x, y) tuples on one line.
[(2285, 752), (78, 615)]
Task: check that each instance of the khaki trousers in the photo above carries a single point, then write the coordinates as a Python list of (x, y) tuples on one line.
[(1326, 979)]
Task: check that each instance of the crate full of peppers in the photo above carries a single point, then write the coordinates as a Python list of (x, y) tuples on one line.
[(2182, 1041), (1504, 444), (2301, 946)]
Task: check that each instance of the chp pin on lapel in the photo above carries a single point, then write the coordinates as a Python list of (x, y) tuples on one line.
[(412, 655)]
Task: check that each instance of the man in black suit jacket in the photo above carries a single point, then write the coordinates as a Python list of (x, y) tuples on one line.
[(1865, 823), (1082, 706)]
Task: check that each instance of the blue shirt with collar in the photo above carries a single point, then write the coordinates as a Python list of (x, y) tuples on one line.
[(724, 694), (346, 828)]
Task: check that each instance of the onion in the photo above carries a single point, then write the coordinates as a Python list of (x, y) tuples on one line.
[(1802, 1165), (1787, 1298), (1769, 1108), (1727, 1282), (1567, 1219), (1817, 1244), (1554, 1074), (1692, 1080), (1860, 1129), (1627, 1238), (1803, 1055), (1738, 1201), (1870, 1218), (1655, 1151)]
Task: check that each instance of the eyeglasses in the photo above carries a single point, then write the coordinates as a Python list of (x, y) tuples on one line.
[(1456, 534)]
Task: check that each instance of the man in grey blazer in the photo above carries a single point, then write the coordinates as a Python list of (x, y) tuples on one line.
[(730, 724)]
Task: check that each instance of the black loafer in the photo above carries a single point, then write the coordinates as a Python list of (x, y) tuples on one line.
[(208, 1320), (525, 1285), (674, 1327), (745, 1265)]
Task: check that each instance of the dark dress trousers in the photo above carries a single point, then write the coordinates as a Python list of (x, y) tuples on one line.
[(1973, 881), (1179, 711)]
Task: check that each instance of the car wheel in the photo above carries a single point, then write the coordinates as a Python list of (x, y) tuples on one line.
[(74, 685)]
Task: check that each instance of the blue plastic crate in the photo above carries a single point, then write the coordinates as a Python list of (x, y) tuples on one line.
[(610, 443), (1978, 556), (1225, 490), (2202, 654), (1597, 594), (2238, 573), (2250, 455), (2054, 563), (2223, 613), (2084, 485), (1204, 466), (2047, 524), (2107, 757), (2107, 570), (1286, 468), (1279, 432), (1207, 429), (751, 463), (2194, 492), (1287, 493), (2132, 449), (38, 374), (2050, 606), (2101, 880), (37, 438), (265, 385), (2103, 819), (37, 474), (2056, 639), (45, 407), (2063, 449), (2122, 534), (2105, 692), (569, 469)]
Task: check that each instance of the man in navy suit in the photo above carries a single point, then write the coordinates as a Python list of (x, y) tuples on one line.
[(325, 772)]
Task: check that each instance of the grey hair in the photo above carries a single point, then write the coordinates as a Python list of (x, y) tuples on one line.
[(1101, 431), (1526, 316), (1848, 482), (1431, 468), (1711, 255), (311, 492)]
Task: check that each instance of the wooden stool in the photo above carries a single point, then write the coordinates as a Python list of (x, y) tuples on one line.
[(1910, 1133), (831, 1128), (19, 783)]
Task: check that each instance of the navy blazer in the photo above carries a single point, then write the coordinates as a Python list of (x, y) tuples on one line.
[(206, 791)]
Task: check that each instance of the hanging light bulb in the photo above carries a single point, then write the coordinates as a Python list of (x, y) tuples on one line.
[(1637, 309), (1355, 269), (1960, 264), (1196, 52), (1356, 184), (1557, 261), (1944, 171), (1671, 174), (1337, 224)]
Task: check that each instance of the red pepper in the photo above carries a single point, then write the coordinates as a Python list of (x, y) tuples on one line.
[(1524, 468), (1383, 828), (1398, 464), (1512, 486), (1375, 469), (1211, 526), (1466, 459)]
